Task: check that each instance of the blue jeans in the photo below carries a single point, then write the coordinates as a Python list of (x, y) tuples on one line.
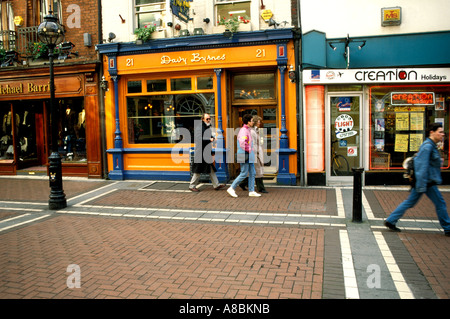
[(434, 194), (246, 169)]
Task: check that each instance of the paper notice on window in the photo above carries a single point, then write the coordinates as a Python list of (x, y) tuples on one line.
[(415, 140), (417, 122), (402, 121), (401, 142)]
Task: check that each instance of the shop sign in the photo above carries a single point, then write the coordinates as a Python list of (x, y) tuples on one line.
[(21, 88), (391, 16), (343, 126), (180, 9), (412, 98), (341, 76), (201, 58)]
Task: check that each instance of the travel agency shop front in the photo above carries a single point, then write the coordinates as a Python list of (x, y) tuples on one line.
[(373, 117), (157, 90)]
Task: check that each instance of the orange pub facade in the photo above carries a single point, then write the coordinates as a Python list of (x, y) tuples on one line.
[(158, 90)]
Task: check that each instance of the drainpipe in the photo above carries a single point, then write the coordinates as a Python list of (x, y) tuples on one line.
[(101, 95), (299, 85)]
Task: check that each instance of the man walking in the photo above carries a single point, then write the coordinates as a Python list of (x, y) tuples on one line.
[(427, 168), (246, 158), (203, 161)]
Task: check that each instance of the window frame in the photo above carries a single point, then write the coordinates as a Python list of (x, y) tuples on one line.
[(136, 13)]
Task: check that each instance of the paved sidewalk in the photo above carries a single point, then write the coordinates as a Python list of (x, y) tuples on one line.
[(147, 239)]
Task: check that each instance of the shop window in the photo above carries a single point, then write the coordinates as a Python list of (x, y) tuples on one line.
[(399, 118), (156, 85), (134, 86), (159, 118), (255, 86), (72, 131), (149, 12), (6, 138), (225, 8)]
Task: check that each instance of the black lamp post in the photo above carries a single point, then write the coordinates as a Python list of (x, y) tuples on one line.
[(51, 33)]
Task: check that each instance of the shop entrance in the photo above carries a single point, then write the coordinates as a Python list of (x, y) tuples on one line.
[(269, 136), (343, 138)]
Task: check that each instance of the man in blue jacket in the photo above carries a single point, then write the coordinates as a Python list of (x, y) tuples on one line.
[(427, 168)]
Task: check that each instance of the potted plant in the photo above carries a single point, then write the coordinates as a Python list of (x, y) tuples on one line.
[(232, 23), (144, 33), (39, 50)]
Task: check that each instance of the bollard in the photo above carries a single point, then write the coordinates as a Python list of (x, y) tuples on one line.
[(357, 194)]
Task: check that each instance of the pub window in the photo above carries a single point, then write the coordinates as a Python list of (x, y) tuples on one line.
[(167, 114), (399, 119), (254, 86), (156, 85), (134, 86), (184, 84), (149, 12), (205, 83), (225, 8)]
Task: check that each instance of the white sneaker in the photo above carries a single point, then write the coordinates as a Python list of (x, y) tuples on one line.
[(254, 194), (231, 191)]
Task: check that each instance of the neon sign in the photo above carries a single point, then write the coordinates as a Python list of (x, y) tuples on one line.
[(412, 98)]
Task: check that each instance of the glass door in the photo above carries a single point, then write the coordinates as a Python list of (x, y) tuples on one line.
[(344, 137)]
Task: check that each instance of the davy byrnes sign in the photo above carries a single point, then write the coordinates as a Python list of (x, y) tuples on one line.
[(378, 76)]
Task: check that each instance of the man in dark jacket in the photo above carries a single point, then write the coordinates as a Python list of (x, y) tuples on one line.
[(203, 160), (427, 167)]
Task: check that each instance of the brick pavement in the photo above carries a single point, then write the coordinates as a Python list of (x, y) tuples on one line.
[(130, 258), (145, 259)]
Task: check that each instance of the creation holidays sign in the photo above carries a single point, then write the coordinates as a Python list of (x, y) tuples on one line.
[(377, 76), (180, 9)]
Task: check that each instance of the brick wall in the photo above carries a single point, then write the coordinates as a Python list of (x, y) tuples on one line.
[(78, 17)]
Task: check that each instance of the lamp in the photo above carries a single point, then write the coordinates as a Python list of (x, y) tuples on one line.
[(51, 33), (104, 84), (292, 75)]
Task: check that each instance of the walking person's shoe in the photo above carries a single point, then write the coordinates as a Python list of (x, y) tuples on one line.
[(194, 189), (447, 233), (254, 194), (391, 226), (219, 187), (231, 191)]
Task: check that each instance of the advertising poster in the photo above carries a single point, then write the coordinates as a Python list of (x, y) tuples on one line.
[(417, 122), (401, 142), (415, 140), (402, 122)]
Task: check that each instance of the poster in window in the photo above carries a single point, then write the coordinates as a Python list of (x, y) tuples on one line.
[(379, 145), (440, 105), (402, 121), (417, 122), (415, 140), (379, 125), (401, 143)]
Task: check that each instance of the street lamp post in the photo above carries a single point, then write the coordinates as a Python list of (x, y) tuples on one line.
[(51, 33)]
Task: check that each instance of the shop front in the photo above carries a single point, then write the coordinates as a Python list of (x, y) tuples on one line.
[(371, 118), (25, 141), (159, 90)]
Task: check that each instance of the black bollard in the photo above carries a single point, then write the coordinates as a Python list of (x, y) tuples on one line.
[(357, 194)]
